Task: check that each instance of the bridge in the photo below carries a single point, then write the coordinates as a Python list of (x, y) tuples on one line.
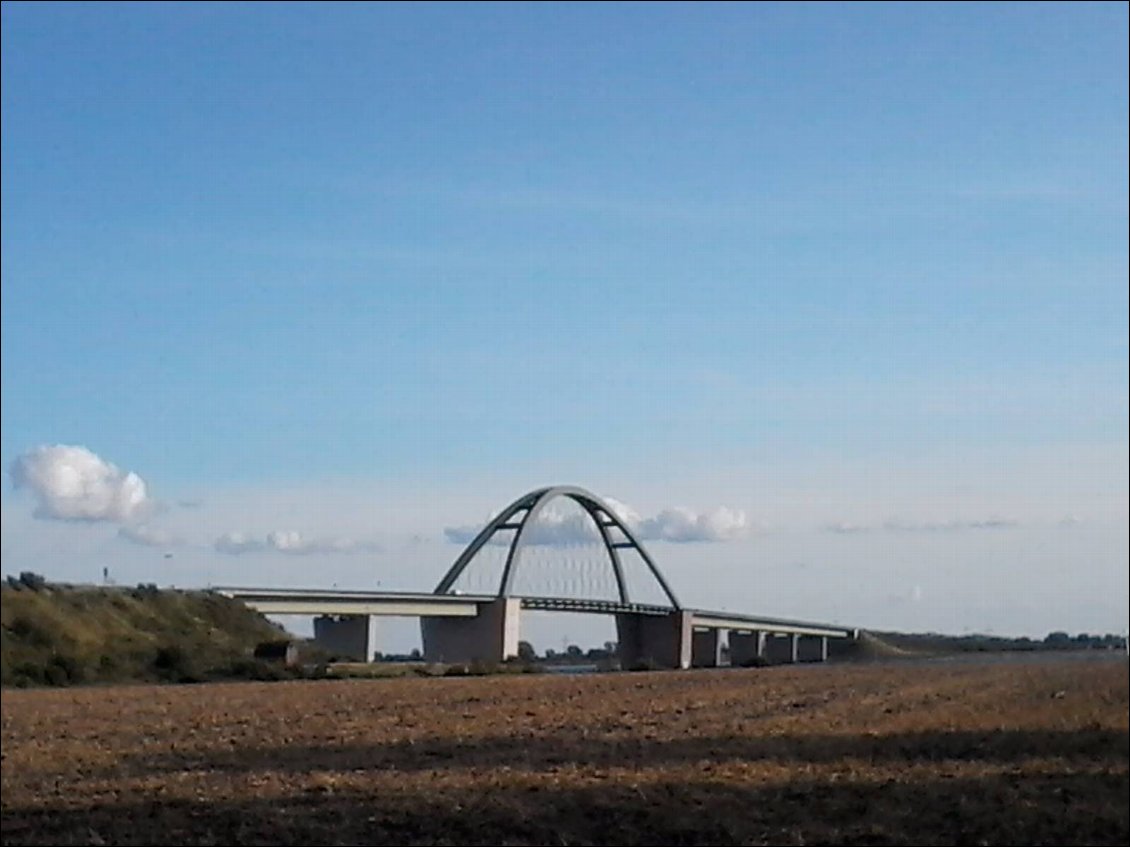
[(653, 628)]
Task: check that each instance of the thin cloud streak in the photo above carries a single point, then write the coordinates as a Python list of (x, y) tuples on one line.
[(900, 525), (290, 543)]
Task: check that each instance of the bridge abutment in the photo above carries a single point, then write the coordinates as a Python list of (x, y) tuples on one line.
[(344, 636), (663, 641), (491, 636)]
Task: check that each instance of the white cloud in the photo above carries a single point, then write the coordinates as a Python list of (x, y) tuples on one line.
[(624, 512), (552, 528), (289, 542), (559, 528), (74, 484), (683, 525), (236, 543), (555, 529), (147, 535)]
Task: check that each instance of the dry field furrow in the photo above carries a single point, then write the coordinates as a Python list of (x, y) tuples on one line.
[(1032, 753)]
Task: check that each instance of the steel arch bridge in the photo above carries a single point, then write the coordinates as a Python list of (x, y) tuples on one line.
[(465, 626), (521, 515)]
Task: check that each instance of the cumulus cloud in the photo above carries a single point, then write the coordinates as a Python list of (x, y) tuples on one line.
[(236, 543), (678, 525), (289, 542), (624, 512), (72, 483), (557, 530), (552, 527), (146, 535), (683, 525)]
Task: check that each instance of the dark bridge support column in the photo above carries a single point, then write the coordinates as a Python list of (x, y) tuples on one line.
[(813, 648), (706, 648), (490, 636), (343, 636), (781, 649), (662, 641), (746, 648)]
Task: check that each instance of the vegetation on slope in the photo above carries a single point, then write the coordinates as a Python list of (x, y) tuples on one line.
[(59, 634), (875, 644)]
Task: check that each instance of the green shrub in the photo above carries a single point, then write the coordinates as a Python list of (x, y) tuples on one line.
[(63, 669), (26, 675), (109, 667), (254, 669), (30, 631), (33, 581), (173, 663)]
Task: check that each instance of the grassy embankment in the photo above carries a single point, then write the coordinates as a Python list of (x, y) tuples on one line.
[(62, 635)]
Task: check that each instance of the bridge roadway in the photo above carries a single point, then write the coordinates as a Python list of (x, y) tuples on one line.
[(461, 627)]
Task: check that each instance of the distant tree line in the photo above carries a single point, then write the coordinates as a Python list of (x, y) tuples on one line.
[(571, 655), (1062, 641), (27, 579), (526, 654)]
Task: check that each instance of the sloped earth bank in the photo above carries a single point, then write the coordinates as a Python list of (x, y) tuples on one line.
[(882, 754)]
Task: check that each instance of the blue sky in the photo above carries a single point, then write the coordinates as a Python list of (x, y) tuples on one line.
[(378, 269)]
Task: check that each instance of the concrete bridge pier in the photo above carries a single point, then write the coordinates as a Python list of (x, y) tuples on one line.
[(344, 636), (490, 636), (662, 641), (706, 648)]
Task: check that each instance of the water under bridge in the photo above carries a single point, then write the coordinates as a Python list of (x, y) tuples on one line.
[(618, 577)]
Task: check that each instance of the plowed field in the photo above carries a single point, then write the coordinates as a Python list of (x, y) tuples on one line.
[(878, 754)]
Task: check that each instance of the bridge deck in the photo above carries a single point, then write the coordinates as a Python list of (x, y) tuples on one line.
[(297, 601), (293, 601), (760, 623)]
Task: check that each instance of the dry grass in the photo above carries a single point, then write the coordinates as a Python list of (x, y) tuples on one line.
[(61, 635), (925, 754)]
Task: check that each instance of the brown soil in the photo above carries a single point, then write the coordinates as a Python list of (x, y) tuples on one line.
[(922, 754)]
